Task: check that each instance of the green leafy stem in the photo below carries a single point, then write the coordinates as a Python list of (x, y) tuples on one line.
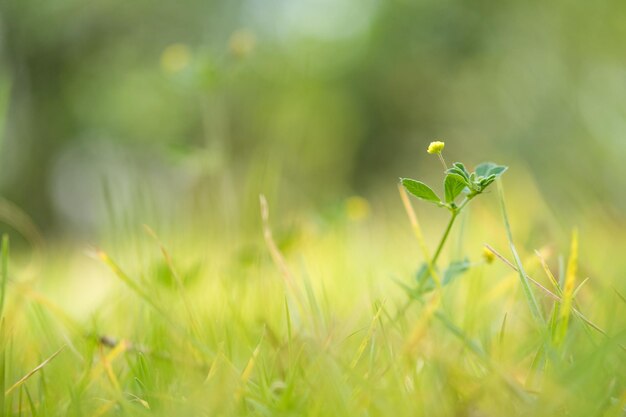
[(458, 182)]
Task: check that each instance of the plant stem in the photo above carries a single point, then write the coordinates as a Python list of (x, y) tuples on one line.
[(443, 161), (455, 213), (444, 237)]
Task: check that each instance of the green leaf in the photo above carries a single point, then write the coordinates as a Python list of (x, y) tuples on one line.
[(454, 271), (483, 169), (454, 185), (411, 292), (461, 170), (497, 170), (486, 181), (420, 190), (487, 169), (461, 167), (458, 172), (423, 273)]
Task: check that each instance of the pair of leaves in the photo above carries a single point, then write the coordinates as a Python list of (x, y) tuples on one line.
[(458, 180), (453, 186)]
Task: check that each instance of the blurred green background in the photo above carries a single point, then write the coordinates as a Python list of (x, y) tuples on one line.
[(178, 110)]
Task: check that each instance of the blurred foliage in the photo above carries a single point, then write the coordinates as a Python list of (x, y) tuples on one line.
[(207, 104)]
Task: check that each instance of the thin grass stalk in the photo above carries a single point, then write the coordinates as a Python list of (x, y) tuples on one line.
[(530, 296)]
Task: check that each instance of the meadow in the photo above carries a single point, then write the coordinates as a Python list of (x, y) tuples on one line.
[(351, 312), (312, 208)]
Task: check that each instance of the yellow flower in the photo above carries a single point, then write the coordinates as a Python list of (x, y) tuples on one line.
[(357, 208), (175, 58), (435, 147), (488, 255), (241, 43)]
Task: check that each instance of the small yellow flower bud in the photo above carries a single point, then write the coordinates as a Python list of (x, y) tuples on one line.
[(488, 255), (435, 147)]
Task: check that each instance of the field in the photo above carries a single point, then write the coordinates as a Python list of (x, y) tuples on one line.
[(322, 315), (312, 208)]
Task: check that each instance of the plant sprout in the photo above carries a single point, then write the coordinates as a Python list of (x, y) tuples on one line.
[(460, 187)]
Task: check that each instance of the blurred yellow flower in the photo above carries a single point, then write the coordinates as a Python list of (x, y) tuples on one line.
[(357, 208), (175, 58), (488, 255), (435, 147), (241, 43)]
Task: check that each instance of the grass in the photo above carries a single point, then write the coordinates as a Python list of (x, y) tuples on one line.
[(178, 324)]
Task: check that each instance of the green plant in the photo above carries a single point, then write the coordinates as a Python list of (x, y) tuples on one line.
[(458, 184)]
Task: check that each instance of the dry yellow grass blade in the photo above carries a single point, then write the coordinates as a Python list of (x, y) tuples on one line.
[(277, 256), (568, 290), (104, 409), (33, 372), (532, 281), (107, 359), (106, 364), (368, 337), (417, 230), (247, 372), (554, 296), (548, 272)]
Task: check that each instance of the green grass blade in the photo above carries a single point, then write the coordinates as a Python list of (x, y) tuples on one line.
[(3, 343), (119, 273), (502, 330), (530, 296), (4, 277), (367, 338), (575, 310), (477, 350), (4, 271), (31, 403)]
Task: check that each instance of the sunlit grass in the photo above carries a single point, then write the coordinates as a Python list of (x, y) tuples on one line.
[(316, 324)]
